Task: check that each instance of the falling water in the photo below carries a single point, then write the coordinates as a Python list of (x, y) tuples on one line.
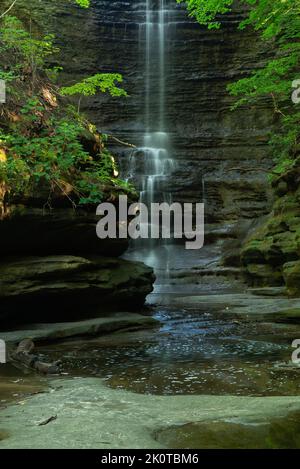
[(154, 32), (156, 149), (161, 25), (151, 165)]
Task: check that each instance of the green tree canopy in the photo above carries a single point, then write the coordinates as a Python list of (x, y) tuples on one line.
[(41, 137), (277, 21)]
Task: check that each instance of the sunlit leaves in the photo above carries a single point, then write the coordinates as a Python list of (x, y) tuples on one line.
[(103, 82), (205, 11), (277, 21), (83, 3)]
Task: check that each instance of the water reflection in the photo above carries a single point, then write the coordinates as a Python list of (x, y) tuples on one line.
[(16, 384), (192, 353)]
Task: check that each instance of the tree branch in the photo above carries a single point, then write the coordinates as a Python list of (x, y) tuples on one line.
[(276, 108), (126, 144), (8, 10)]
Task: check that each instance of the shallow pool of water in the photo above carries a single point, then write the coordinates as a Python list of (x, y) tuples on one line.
[(192, 353), (15, 384)]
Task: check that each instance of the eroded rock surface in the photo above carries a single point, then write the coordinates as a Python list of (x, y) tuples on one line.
[(271, 254), (57, 288), (79, 402)]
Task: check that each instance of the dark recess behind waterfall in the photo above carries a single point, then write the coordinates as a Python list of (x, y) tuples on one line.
[(207, 138)]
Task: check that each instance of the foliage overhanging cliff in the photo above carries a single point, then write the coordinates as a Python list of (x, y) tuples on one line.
[(278, 22), (45, 139)]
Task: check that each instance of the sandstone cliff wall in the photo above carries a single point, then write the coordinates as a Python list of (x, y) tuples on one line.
[(213, 147)]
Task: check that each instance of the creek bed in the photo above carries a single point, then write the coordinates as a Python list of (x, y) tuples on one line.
[(191, 353)]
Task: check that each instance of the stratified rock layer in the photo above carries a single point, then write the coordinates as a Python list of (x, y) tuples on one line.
[(56, 332), (218, 153), (271, 254), (57, 288), (220, 156), (54, 267), (37, 231)]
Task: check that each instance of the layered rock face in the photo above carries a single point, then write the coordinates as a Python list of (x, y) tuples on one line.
[(271, 254), (215, 150), (54, 268), (218, 154), (57, 288)]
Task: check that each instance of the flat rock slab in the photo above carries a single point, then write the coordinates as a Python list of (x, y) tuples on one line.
[(268, 291), (243, 305), (90, 327), (291, 315), (91, 415)]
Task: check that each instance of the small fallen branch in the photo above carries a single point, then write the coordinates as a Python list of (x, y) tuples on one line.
[(8, 10), (276, 108), (23, 356), (126, 144), (48, 420)]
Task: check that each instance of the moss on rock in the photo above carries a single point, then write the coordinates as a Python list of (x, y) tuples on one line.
[(291, 273), (272, 252)]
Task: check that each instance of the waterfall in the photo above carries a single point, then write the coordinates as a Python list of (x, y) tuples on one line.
[(162, 75), (155, 37), (156, 150), (151, 164)]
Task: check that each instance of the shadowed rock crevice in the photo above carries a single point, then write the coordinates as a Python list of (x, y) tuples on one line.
[(68, 288)]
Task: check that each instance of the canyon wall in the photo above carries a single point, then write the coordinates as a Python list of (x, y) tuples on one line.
[(221, 156), (218, 153)]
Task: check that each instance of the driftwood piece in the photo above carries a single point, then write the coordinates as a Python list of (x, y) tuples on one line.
[(23, 356), (26, 346), (48, 420)]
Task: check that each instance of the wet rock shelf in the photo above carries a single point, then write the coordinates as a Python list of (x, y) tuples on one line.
[(60, 288)]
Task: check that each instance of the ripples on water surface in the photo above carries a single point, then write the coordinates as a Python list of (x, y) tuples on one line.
[(192, 353)]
